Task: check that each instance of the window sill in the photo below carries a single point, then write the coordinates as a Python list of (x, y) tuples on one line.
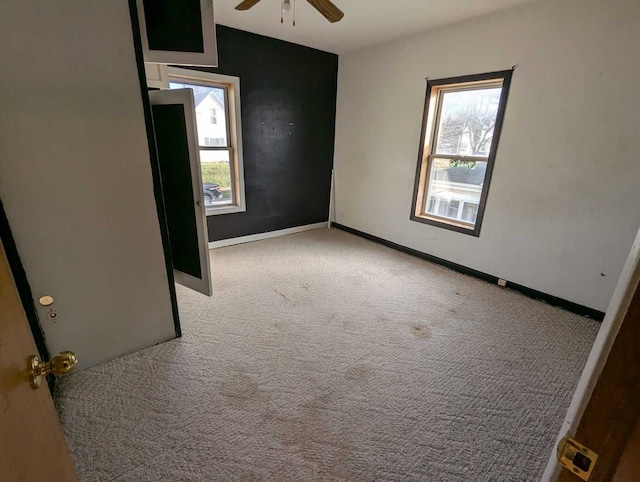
[(448, 224), (224, 209)]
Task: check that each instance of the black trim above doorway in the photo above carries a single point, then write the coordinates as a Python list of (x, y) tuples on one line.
[(155, 166), (530, 292)]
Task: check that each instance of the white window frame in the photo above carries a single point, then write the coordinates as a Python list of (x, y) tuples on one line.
[(234, 119)]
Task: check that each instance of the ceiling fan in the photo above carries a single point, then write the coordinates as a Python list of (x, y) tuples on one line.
[(325, 7)]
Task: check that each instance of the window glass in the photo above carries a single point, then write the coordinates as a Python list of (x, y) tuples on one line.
[(455, 188), (214, 141), (216, 177), (210, 111), (215, 165), (466, 122), (470, 212)]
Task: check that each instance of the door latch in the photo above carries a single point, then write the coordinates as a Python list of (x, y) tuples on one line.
[(576, 457)]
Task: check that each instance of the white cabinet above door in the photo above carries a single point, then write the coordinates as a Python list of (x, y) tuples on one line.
[(179, 32)]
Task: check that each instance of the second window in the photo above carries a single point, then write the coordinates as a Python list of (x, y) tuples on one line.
[(462, 122)]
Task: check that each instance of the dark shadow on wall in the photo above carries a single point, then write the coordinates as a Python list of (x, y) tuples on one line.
[(288, 106)]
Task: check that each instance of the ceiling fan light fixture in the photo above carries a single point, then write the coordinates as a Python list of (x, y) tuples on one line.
[(325, 7)]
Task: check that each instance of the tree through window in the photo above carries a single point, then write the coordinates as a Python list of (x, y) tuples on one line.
[(468, 119)]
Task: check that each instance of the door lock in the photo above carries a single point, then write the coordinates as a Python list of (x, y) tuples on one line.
[(60, 365)]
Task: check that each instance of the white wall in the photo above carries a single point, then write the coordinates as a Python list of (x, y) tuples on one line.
[(75, 176), (563, 206)]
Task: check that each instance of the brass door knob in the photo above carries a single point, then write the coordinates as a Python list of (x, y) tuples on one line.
[(60, 365)]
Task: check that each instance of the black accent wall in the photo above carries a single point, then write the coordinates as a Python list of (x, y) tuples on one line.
[(288, 106)]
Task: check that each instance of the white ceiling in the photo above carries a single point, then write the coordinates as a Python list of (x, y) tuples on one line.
[(366, 22)]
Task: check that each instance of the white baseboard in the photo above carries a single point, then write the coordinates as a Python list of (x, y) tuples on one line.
[(270, 234)]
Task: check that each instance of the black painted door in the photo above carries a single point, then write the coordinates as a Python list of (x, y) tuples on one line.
[(174, 122)]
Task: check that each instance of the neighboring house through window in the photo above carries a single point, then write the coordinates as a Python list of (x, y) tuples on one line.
[(214, 141), (462, 121), (217, 104)]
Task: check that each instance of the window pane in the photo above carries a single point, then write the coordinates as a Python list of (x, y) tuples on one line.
[(470, 213), (210, 113), (454, 189), (467, 120), (214, 141), (216, 177)]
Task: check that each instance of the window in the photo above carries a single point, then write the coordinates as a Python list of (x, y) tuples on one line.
[(460, 132), (214, 141), (217, 105)]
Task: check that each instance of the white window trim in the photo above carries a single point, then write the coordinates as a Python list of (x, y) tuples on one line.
[(187, 75)]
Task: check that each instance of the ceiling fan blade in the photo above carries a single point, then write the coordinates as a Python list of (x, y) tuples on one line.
[(246, 4), (327, 9)]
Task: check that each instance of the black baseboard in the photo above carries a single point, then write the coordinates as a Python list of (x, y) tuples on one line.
[(530, 292)]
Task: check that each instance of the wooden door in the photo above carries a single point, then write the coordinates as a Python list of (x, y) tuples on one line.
[(32, 445), (604, 415), (613, 411), (628, 469)]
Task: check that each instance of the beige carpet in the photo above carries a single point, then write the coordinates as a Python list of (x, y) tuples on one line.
[(323, 356)]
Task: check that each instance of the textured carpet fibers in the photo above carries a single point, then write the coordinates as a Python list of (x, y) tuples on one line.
[(322, 356)]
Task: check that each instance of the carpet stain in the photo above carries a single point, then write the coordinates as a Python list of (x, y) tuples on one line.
[(421, 331), (312, 433), (283, 295), (249, 476), (240, 389), (361, 373)]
